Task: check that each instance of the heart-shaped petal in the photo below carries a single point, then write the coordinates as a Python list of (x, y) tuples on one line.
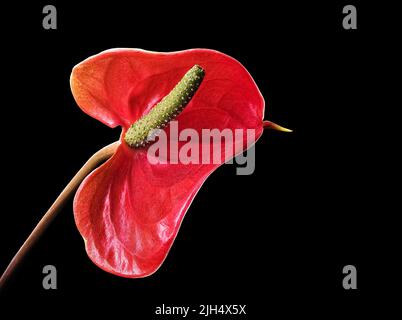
[(129, 210)]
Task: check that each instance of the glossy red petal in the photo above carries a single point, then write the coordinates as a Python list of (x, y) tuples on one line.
[(129, 210), (118, 86)]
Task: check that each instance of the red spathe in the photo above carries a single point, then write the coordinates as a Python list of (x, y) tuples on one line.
[(128, 210)]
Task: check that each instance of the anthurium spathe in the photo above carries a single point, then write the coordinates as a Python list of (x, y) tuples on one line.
[(129, 210)]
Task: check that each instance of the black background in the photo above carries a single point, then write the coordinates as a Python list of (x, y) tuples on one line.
[(276, 240)]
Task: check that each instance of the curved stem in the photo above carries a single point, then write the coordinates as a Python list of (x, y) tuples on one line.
[(64, 196)]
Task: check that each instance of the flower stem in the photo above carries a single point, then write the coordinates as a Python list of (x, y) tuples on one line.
[(93, 162)]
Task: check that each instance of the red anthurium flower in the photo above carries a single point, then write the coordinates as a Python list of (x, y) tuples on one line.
[(129, 210)]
